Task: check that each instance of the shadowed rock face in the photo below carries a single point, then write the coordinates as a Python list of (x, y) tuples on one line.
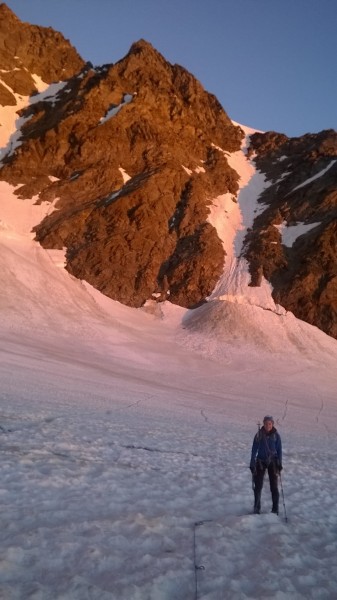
[(302, 173), (147, 235)]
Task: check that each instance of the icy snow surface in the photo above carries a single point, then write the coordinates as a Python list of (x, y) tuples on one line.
[(290, 233), (120, 429), (11, 123), (232, 218), (124, 174), (317, 176), (115, 109)]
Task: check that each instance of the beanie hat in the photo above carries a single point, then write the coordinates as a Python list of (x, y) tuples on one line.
[(268, 418)]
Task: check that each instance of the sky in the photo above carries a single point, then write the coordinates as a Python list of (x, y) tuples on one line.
[(271, 63)]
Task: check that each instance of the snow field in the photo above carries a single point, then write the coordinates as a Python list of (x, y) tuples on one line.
[(120, 429), (101, 503)]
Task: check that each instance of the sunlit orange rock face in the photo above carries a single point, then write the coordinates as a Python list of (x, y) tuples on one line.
[(132, 154)]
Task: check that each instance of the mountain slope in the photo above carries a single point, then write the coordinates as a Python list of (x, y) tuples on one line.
[(156, 194), (126, 433), (134, 149), (121, 428)]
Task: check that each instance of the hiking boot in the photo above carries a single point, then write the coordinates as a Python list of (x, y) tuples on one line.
[(257, 508)]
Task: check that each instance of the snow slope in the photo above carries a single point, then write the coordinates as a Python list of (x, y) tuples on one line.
[(125, 434)]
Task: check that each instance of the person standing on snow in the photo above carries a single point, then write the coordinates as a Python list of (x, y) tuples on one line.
[(266, 456)]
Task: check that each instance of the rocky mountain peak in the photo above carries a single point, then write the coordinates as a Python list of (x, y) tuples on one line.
[(144, 50), (7, 14), (29, 50), (136, 151), (133, 154)]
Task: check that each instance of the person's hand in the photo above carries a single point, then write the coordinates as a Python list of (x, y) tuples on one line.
[(253, 468), (279, 466)]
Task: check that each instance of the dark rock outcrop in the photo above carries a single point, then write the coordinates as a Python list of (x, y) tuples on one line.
[(302, 177)]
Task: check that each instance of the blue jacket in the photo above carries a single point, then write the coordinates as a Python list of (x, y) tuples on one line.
[(267, 447)]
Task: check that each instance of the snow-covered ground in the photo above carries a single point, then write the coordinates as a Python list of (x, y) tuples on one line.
[(125, 436)]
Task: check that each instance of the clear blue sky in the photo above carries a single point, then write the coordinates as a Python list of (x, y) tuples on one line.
[(271, 63)]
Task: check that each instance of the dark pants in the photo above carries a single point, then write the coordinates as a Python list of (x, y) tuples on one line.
[(261, 468)]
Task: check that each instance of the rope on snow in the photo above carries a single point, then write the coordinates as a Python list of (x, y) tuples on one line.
[(197, 568)]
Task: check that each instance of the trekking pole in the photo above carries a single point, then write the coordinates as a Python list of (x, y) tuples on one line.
[(284, 505)]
